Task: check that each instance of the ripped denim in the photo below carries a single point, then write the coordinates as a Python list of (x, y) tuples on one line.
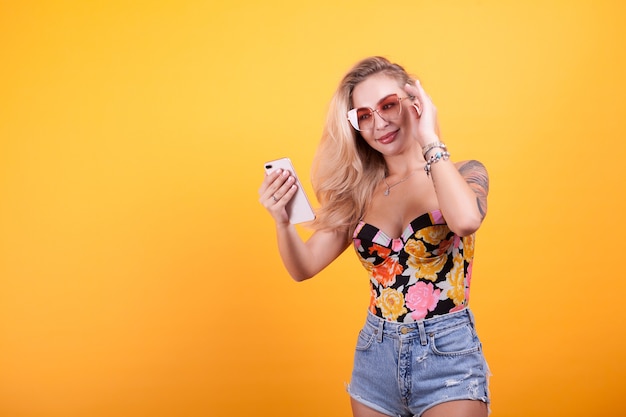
[(403, 369)]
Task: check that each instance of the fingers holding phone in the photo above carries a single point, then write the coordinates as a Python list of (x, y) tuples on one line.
[(276, 191), (282, 195)]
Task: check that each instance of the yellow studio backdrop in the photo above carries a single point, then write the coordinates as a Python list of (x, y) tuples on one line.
[(139, 274)]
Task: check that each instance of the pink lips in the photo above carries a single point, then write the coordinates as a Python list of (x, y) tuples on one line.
[(388, 138)]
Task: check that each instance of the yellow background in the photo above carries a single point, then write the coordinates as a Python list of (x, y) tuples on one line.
[(138, 272)]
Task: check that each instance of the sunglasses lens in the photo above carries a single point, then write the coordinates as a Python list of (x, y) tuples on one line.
[(389, 108), (365, 117)]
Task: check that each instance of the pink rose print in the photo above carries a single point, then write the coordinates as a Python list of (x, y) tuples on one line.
[(422, 298)]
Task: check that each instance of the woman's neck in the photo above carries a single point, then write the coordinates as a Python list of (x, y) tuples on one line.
[(404, 164)]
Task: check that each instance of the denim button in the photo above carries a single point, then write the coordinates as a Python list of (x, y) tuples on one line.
[(404, 330)]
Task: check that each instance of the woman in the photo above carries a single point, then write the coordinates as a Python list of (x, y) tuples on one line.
[(387, 186)]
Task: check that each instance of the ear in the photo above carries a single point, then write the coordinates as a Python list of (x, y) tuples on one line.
[(417, 109)]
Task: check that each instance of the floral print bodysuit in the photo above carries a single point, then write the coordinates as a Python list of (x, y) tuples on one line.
[(422, 274)]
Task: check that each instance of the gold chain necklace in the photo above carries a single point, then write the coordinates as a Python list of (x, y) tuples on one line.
[(389, 187)]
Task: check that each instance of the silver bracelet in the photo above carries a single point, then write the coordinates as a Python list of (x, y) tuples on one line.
[(445, 155), (432, 146)]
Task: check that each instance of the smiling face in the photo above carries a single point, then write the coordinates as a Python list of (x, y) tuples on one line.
[(386, 136)]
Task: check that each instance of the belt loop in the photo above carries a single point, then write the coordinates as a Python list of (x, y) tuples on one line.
[(381, 324), (420, 326)]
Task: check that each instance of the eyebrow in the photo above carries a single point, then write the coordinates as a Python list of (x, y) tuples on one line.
[(379, 101)]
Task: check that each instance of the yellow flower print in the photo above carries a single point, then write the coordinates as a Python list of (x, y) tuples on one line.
[(416, 248), (427, 268), (456, 279), (391, 304), (433, 234), (426, 265), (468, 246), (372, 300)]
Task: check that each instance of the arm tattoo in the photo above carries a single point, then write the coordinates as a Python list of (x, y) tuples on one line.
[(475, 175)]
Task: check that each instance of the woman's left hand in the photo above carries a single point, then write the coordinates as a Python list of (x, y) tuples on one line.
[(425, 112)]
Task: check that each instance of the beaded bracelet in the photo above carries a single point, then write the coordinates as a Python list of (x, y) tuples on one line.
[(434, 159), (432, 146)]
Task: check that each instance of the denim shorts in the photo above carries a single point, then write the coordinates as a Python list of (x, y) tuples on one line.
[(403, 369)]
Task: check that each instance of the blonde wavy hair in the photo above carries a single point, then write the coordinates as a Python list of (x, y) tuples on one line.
[(346, 170)]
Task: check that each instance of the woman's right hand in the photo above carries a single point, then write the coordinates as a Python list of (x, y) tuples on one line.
[(302, 260), (277, 189)]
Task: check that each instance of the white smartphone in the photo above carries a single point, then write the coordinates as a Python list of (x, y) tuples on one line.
[(298, 208)]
